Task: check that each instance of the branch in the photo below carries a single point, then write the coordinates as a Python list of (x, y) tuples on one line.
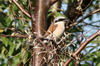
[(18, 5), (31, 8), (71, 25), (38, 26), (53, 1), (40, 14), (83, 45), (76, 8), (18, 36), (89, 14)]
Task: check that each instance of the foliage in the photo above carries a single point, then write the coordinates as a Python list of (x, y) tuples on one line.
[(13, 52), (16, 51)]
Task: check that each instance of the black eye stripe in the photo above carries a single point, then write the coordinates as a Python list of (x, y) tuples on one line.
[(59, 20)]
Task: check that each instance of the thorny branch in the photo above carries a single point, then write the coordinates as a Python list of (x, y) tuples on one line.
[(83, 45), (18, 5)]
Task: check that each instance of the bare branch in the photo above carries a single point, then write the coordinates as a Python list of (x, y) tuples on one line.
[(95, 11), (15, 36), (89, 14), (76, 9), (83, 45), (31, 8), (18, 5), (71, 25)]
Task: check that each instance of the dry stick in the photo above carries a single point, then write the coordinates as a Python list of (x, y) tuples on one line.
[(83, 45), (18, 36), (18, 5)]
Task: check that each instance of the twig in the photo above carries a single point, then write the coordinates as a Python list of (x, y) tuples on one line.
[(71, 25), (89, 14), (30, 7), (53, 1), (18, 36), (18, 5), (83, 45)]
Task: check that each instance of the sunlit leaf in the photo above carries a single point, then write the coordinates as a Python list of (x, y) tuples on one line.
[(5, 41)]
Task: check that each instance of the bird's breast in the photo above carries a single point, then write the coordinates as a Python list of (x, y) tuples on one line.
[(58, 32)]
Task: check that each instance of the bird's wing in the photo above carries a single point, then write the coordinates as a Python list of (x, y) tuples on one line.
[(51, 29)]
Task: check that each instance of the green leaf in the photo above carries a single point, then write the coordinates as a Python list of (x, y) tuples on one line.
[(98, 64), (8, 22), (24, 55), (58, 14), (5, 41), (11, 50), (25, 58), (14, 7), (16, 60), (84, 64), (20, 25), (3, 52), (18, 45), (97, 40)]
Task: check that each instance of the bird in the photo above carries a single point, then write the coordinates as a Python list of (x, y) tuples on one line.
[(56, 30)]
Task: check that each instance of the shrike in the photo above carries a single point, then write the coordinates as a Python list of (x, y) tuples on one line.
[(56, 30)]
